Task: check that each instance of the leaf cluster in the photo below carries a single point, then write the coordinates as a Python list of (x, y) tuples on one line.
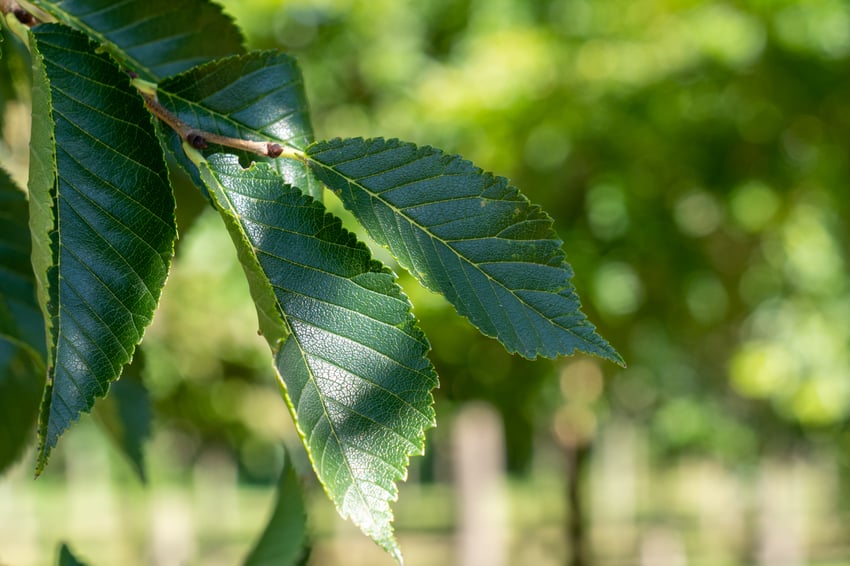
[(118, 87)]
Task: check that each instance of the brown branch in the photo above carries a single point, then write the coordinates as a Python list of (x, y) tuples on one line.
[(200, 139)]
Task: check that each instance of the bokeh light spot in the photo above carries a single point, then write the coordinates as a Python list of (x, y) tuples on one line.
[(617, 289), (698, 214), (607, 212), (754, 205)]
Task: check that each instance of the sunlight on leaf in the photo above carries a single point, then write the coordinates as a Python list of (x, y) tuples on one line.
[(103, 221), (468, 235), (354, 370), (152, 37)]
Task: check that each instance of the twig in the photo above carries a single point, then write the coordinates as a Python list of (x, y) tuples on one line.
[(200, 139)]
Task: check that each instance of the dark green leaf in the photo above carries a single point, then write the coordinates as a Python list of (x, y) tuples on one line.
[(354, 367), (21, 386), (282, 541), (22, 341), (126, 414), (102, 221), (20, 316), (66, 558), (259, 96), (154, 38), (468, 235)]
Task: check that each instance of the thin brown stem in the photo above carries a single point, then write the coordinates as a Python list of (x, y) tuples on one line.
[(200, 139)]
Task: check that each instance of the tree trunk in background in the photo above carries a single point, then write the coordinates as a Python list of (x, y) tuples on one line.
[(479, 475), (576, 520)]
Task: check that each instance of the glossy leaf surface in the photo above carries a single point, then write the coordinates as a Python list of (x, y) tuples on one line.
[(154, 38), (354, 367), (102, 221), (468, 235)]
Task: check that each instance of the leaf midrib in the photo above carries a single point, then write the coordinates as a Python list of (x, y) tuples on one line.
[(256, 251), (400, 213), (354, 483), (376, 520)]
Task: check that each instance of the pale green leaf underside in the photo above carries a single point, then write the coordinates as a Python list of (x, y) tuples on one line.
[(282, 542), (354, 367), (154, 38), (106, 202), (259, 96), (468, 235)]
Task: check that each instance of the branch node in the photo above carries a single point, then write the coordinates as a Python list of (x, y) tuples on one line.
[(200, 139), (23, 16), (196, 140), (274, 149)]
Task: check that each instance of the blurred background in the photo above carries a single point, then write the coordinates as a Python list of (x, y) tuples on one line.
[(694, 155)]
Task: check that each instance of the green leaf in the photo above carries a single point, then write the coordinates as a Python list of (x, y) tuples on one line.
[(154, 38), (126, 416), (259, 96), (102, 220), (20, 316), (354, 369), (21, 386), (283, 540), (21, 328), (468, 235), (66, 557)]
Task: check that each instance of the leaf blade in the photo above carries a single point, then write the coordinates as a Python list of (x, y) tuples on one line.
[(126, 415), (103, 219), (467, 235), (282, 542), (22, 344), (152, 38), (67, 558), (354, 369)]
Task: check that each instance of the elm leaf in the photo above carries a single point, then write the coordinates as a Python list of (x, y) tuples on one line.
[(353, 368), (102, 221), (468, 235)]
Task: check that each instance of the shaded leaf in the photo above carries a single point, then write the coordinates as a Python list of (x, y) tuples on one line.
[(67, 558), (102, 221), (354, 368), (259, 96), (22, 342), (154, 38), (20, 316), (126, 414), (21, 386), (468, 235), (282, 542)]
